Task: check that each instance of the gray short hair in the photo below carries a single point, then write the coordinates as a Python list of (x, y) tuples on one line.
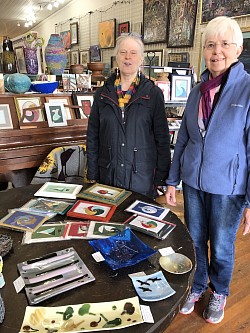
[(133, 36), (219, 26)]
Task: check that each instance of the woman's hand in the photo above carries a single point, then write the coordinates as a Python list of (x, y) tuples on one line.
[(170, 196), (245, 221)]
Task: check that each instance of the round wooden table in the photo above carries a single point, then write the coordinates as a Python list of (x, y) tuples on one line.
[(108, 285)]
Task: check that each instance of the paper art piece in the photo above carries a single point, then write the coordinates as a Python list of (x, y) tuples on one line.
[(23, 221), (56, 114), (180, 87), (45, 233), (65, 35), (122, 250), (86, 317), (53, 274), (104, 193), (5, 117), (148, 210), (48, 206), (153, 287), (29, 109), (104, 230), (76, 229), (107, 31), (92, 210), (149, 226), (58, 190)]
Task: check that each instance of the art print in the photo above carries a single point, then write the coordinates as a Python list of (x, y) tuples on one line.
[(23, 221), (180, 87), (91, 210), (107, 34), (74, 57), (29, 109), (48, 205), (45, 233), (65, 101), (104, 230), (95, 53), (155, 14), (152, 59), (76, 229), (56, 114), (69, 82), (59, 190), (74, 33), (181, 22), (148, 210), (65, 35), (20, 60), (106, 191), (211, 9), (123, 28), (5, 117), (84, 58), (85, 100), (83, 82)]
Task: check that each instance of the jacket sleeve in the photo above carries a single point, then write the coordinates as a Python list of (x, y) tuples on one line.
[(162, 140), (248, 159), (93, 141)]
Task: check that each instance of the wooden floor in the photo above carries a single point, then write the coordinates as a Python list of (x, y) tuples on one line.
[(237, 311)]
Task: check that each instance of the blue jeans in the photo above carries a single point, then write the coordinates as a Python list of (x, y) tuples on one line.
[(215, 219)]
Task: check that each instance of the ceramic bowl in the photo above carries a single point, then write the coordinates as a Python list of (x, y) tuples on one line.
[(44, 87), (176, 263)]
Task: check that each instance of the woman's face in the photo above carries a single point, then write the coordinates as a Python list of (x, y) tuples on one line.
[(220, 52), (129, 57)]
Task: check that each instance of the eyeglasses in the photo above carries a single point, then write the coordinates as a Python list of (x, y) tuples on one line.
[(212, 46)]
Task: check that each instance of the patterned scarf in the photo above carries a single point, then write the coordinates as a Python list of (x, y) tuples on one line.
[(208, 90), (123, 99)]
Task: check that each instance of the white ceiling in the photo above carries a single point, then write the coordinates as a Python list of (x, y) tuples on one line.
[(12, 12)]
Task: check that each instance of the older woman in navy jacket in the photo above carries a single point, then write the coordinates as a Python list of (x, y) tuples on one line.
[(212, 157), (128, 137)]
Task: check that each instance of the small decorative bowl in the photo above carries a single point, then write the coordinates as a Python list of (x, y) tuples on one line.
[(44, 87), (176, 263)]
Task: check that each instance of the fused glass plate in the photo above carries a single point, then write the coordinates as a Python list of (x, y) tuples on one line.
[(122, 250), (153, 287)]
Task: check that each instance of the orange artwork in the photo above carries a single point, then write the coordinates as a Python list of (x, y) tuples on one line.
[(107, 34)]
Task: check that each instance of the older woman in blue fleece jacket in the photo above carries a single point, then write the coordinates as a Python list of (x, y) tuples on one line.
[(212, 158)]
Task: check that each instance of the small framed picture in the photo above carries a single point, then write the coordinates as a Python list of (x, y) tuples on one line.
[(123, 28), (59, 190), (180, 87), (56, 114), (29, 109), (69, 82), (91, 210), (65, 100), (5, 117), (74, 33), (83, 81), (148, 210), (84, 58), (74, 57), (20, 60), (84, 100), (95, 53)]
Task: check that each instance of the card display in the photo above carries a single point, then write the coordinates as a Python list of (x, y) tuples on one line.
[(59, 190), (148, 210), (48, 205)]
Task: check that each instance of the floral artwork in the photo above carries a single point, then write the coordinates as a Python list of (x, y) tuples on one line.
[(87, 317)]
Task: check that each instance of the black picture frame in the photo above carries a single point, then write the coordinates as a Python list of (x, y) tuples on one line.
[(74, 33)]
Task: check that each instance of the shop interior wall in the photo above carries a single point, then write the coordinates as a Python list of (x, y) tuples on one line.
[(89, 13)]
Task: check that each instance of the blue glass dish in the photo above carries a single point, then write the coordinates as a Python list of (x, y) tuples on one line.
[(122, 250)]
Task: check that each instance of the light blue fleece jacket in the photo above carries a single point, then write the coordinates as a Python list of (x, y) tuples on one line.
[(219, 162)]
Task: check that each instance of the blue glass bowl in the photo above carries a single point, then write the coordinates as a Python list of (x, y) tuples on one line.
[(44, 87), (122, 250)]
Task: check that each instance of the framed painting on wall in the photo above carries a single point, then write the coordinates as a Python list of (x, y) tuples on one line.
[(84, 58), (95, 53), (107, 31), (65, 35), (123, 28), (181, 23), (74, 57), (155, 14), (74, 33), (211, 9)]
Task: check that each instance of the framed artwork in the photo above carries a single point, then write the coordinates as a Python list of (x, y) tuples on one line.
[(180, 87), (91, 210), (107, 34), (20, 60), (181, 23), (58, 190), (136, 27), (74, 33), (83, 81), (245, 55), (65, 35), (84, 58), (5, 117), (68, 54), (69, 82), (178, 57), (147, 210), (29, 109), (65, 101), (56, 114), (155, 14), (74, 57), (211, 9), (85, 101), (95, 53), (152, 58), (123, 28)]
